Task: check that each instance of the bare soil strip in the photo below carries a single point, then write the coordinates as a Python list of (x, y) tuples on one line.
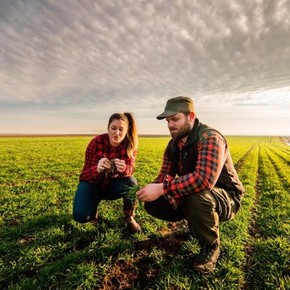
[(138, 272)]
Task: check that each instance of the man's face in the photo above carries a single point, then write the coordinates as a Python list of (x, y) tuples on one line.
[(179, 126)]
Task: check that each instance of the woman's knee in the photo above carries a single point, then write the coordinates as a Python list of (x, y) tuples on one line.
[(80, 218), (130, 181), (85, 203)]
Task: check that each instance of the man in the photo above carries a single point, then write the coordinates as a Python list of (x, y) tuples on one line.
[(197, 181)]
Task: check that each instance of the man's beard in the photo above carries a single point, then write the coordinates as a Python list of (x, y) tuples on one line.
[(181, 133)]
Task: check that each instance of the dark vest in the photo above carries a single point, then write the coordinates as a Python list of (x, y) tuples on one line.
[(228, 178)]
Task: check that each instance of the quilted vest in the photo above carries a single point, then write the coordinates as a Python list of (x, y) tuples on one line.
[(228, 178)]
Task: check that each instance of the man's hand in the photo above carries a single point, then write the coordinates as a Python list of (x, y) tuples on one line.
[(150, 192)]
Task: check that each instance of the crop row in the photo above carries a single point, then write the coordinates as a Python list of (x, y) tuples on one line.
[(270, 263)]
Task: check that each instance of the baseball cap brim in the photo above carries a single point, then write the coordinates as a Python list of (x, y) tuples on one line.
[(175, 105), (166, 114)]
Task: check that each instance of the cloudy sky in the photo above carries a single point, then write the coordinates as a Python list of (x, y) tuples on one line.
[(66, 66)]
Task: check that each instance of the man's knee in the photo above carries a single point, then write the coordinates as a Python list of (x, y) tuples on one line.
[(200, 200), (199, 205), (150, 208), (161, 209)]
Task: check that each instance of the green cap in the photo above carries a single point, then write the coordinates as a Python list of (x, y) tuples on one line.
[(176, 105)]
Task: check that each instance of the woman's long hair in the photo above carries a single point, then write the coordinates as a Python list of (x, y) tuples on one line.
[(132, 136)]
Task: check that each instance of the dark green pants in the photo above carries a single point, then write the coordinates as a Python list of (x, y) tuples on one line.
[(203, 211)]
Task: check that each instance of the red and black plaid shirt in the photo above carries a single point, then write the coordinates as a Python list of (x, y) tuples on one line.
[(212, 153), (98, 148)]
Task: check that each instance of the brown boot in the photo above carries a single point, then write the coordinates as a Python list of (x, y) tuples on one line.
[(129, 213), (132, 226), (206, 259)]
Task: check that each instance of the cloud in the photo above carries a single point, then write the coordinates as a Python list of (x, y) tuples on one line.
[(79, 56)]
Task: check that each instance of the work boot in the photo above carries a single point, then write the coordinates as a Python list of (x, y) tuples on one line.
[(129, 214), (184, 232), (132, 226), (206, 259)]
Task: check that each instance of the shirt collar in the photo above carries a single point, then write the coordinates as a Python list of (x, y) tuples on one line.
[(180, 144)]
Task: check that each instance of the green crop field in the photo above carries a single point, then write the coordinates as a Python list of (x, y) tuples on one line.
[(41, 247)]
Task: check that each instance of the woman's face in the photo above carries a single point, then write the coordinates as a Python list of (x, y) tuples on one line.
[(117, 131)]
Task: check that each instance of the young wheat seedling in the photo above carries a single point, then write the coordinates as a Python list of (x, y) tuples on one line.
[(131, 193)]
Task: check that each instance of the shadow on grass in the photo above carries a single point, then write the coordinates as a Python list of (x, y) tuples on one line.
[(54, 251), (42, 247)]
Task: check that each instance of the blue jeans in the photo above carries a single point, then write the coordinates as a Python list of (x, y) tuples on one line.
[(89, 195)]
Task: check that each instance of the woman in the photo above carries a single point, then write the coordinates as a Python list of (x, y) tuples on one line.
[(107, 171)]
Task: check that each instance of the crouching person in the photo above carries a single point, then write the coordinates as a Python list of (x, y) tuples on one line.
[(197, 181), (107, 172)]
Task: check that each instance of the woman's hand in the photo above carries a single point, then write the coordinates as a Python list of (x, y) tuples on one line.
[(150, 192), (104, 164), (120, 165)]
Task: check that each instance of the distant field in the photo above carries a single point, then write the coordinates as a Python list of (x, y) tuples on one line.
[(41, 247)]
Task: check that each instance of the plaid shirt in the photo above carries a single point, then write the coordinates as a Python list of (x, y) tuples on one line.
[(211, 156), (98, 148)]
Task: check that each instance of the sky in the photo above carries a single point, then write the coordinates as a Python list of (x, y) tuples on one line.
[(66, 66)]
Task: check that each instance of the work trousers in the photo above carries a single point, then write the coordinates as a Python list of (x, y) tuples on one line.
[(89, 195), (203, 211)]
